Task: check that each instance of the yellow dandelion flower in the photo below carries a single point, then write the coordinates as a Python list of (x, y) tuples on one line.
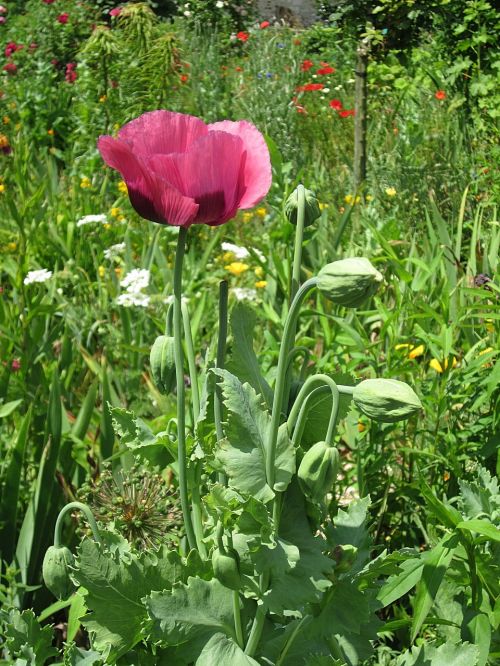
[(390, 191), (261, 211), (261, 284), (237, 267), (323, 206), (12, 247), (102, 271), (417, 351), (115, 211), (2, 188), (247, 217), (102, 99), (259, 272), (348, 199), (227, 257), (85, 183), (369, 198), (122, 187)]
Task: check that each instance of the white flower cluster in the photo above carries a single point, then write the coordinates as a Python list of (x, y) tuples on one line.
[(134, 283), (244, 294), (88, 219), (114, 250), (41, 275), (241, 252)]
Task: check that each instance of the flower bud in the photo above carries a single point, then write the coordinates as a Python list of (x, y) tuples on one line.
[(349, 282), (344, 556), (56, 570), (226, 566), (162, 360), (318, 471), (311, 207), (386, 400)]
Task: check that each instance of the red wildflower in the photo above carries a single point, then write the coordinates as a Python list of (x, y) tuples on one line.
[(264, 24), (440, 95), (116, 11), (325, 70), (306, 65), (63, 18), (15, 365), (335, 104), (180, 171), (346, 113), (11, 48), (10, 68), (297, 42), (309, 87), (184, 78), (324, 64), (238, 69), (48, 2), (242, 36), (71, 76)]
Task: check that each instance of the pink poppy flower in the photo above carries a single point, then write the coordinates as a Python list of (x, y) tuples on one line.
[(3, 10), (63, 18), (180, 171), (116, 11), (10, 68)]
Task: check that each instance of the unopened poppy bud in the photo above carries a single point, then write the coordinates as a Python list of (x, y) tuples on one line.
[(311, 207), (318, 471), (162, 361), (226, 566), (349, 282), (386, 400), (56, 570), (344, 556)]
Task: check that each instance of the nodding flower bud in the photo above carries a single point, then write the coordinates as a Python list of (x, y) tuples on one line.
[(56, 571), (311, 207), (226, 566), (162, 360), (386, 400), (349, 282), (318, 471)]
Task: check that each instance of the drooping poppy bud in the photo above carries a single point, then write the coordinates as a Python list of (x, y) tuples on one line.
[(162, 360), (311, 208), (56, 571), (350, 281), (318, 471), (386, 400), (226, 566)]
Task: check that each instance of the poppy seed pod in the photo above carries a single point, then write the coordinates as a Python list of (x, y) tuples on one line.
[(349, 282), (56, 570), (318, 471), (162, 361), (311, 208), (386, 400), (226, 566)]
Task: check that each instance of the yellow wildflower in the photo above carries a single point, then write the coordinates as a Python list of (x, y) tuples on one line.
[(6, 120), (118, 271), (350, 199), (102, 271), (85, 183), (261, 284), (4, 141), (2, 188), (103, 98), (489, 325), (261, 212), (116, 127), (122, 187), (237, 267), (390, 191), (441, 367), (322, 206), (12, 247), (50, 132), (259, 272), (247, 217), (415, 352), (227, 257), (403, 345), (107, 225), (369, 197), (486, 351), (115, 211)]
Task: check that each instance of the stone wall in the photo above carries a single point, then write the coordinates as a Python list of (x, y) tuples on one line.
[(298, 12)]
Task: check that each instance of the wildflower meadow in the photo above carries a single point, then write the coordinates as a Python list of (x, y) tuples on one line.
[(249, 333)]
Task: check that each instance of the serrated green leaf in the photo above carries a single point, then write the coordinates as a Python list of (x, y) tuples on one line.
[(349, 527), (75, 656), (276, 560), (243, 454), (243, 362), (138, 437), (461, 654), (433, 572), (27, 640), (222, 650), (191, 614), (115, 584)]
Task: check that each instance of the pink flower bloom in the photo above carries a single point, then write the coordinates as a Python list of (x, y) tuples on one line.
[(10, 68), (15, 365), (264, 25), (48, 2), (71, 76), (116, 11), (3, 10), (180, 171), (63, 18), (2, 20)]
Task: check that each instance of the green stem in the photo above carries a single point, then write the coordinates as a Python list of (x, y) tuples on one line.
[(88, 515), (237, 619), (195, 391), (181, 402), (300, 403), (291, 638), (198, 516), (219, 362), (286, 343), (299, 238), (471, 559), (256, 632), (301, 418)]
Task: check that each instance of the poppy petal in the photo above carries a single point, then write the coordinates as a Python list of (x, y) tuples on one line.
[(162, 132), (257, 166)]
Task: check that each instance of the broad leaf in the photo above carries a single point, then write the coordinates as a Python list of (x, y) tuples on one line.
[(400, 584), (138, 437), (75, 656), (243, 454), (483, 527), (27, 640), (114, 585), (243, 362), (448, 654), (222, 650), (349, 527)]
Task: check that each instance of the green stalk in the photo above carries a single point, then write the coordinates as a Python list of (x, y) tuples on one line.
[(279, 391), (298, 411), (237, 619), (195, 391), (181, 400), (88, 514), (291, 638), (219, 363), (299, 238), (256, 632)]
